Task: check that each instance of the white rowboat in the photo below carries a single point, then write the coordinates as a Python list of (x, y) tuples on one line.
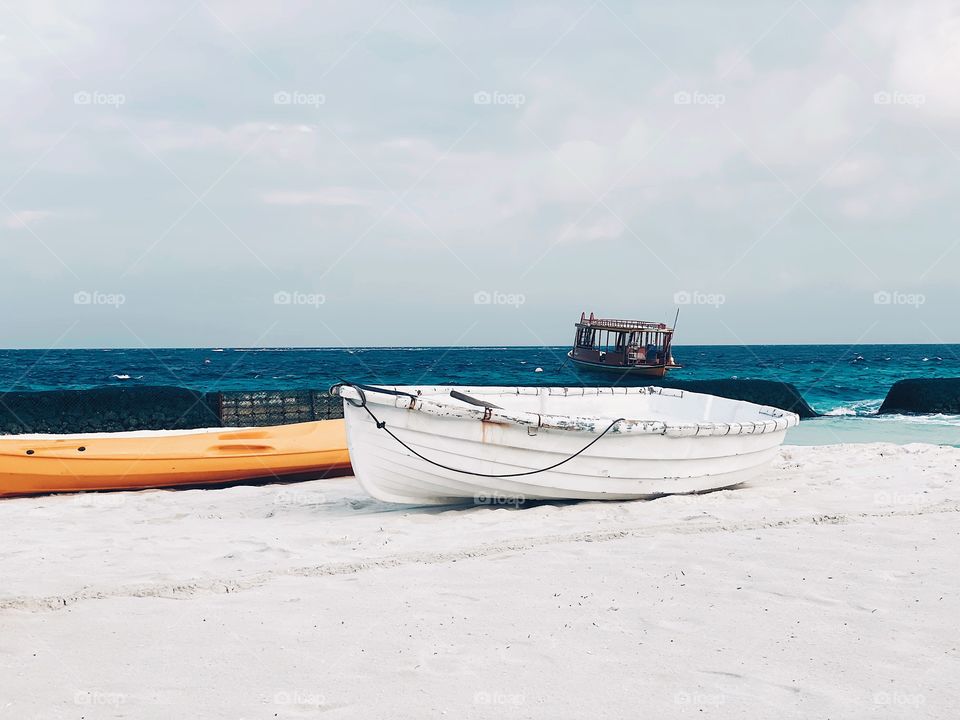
[(626, 443)]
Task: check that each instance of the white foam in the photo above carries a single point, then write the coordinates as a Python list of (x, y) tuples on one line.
[(841, 411), (929, 419), (857, 408)]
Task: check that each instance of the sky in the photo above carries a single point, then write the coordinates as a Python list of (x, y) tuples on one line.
[(220, 174)]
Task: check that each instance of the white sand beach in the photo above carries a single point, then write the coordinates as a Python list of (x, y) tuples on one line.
[(829, 590)]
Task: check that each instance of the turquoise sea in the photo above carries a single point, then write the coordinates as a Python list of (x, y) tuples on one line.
[(845, 383)]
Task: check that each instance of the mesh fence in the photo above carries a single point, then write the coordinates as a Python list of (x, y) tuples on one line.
[(277, 407), (158, 408)]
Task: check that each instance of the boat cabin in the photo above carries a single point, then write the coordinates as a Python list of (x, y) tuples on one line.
[(631, 346)]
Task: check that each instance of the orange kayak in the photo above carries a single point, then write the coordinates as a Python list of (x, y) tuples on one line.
[(148, 459)]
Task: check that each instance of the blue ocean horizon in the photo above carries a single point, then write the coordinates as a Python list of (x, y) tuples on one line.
[(846, 383)]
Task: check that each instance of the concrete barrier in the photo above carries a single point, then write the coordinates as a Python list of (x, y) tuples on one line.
[(923, 395), (762, 392)]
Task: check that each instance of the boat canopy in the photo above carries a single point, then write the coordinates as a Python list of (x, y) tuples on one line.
[(621, 325)]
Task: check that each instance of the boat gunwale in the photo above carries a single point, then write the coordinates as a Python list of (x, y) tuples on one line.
[(407, 400)]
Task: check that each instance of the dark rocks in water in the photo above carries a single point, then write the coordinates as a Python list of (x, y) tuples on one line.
[(772, 393), (106, 409), (923, 395), (143, 407)]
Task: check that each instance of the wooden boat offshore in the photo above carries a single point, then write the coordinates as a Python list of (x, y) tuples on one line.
[(147, 459), (626, 347), (440, 445)]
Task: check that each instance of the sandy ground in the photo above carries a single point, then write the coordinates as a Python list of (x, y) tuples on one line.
[(831, 590)]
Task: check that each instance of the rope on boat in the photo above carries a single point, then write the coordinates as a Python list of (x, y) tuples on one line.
[(382, 425)]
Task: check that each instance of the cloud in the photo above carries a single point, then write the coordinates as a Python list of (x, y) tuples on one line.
[(398, 165), (919, 45), (23, 219), (605, 228), (327, 197)]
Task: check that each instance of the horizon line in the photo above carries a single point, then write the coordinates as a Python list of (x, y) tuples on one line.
[(465, 347)]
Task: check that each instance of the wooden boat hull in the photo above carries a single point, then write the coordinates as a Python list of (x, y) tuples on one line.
[(636, 370), (114, 461), (640, 459)]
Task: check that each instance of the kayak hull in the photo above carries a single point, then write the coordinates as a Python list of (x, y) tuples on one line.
[(130, 461)]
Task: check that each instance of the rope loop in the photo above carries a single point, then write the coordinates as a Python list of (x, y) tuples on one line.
[(382, 425)]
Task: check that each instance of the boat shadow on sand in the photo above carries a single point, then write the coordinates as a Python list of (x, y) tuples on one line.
[(371, 505), (350, 504)]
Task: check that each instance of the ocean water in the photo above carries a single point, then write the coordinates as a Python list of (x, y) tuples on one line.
[(845, 383)]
